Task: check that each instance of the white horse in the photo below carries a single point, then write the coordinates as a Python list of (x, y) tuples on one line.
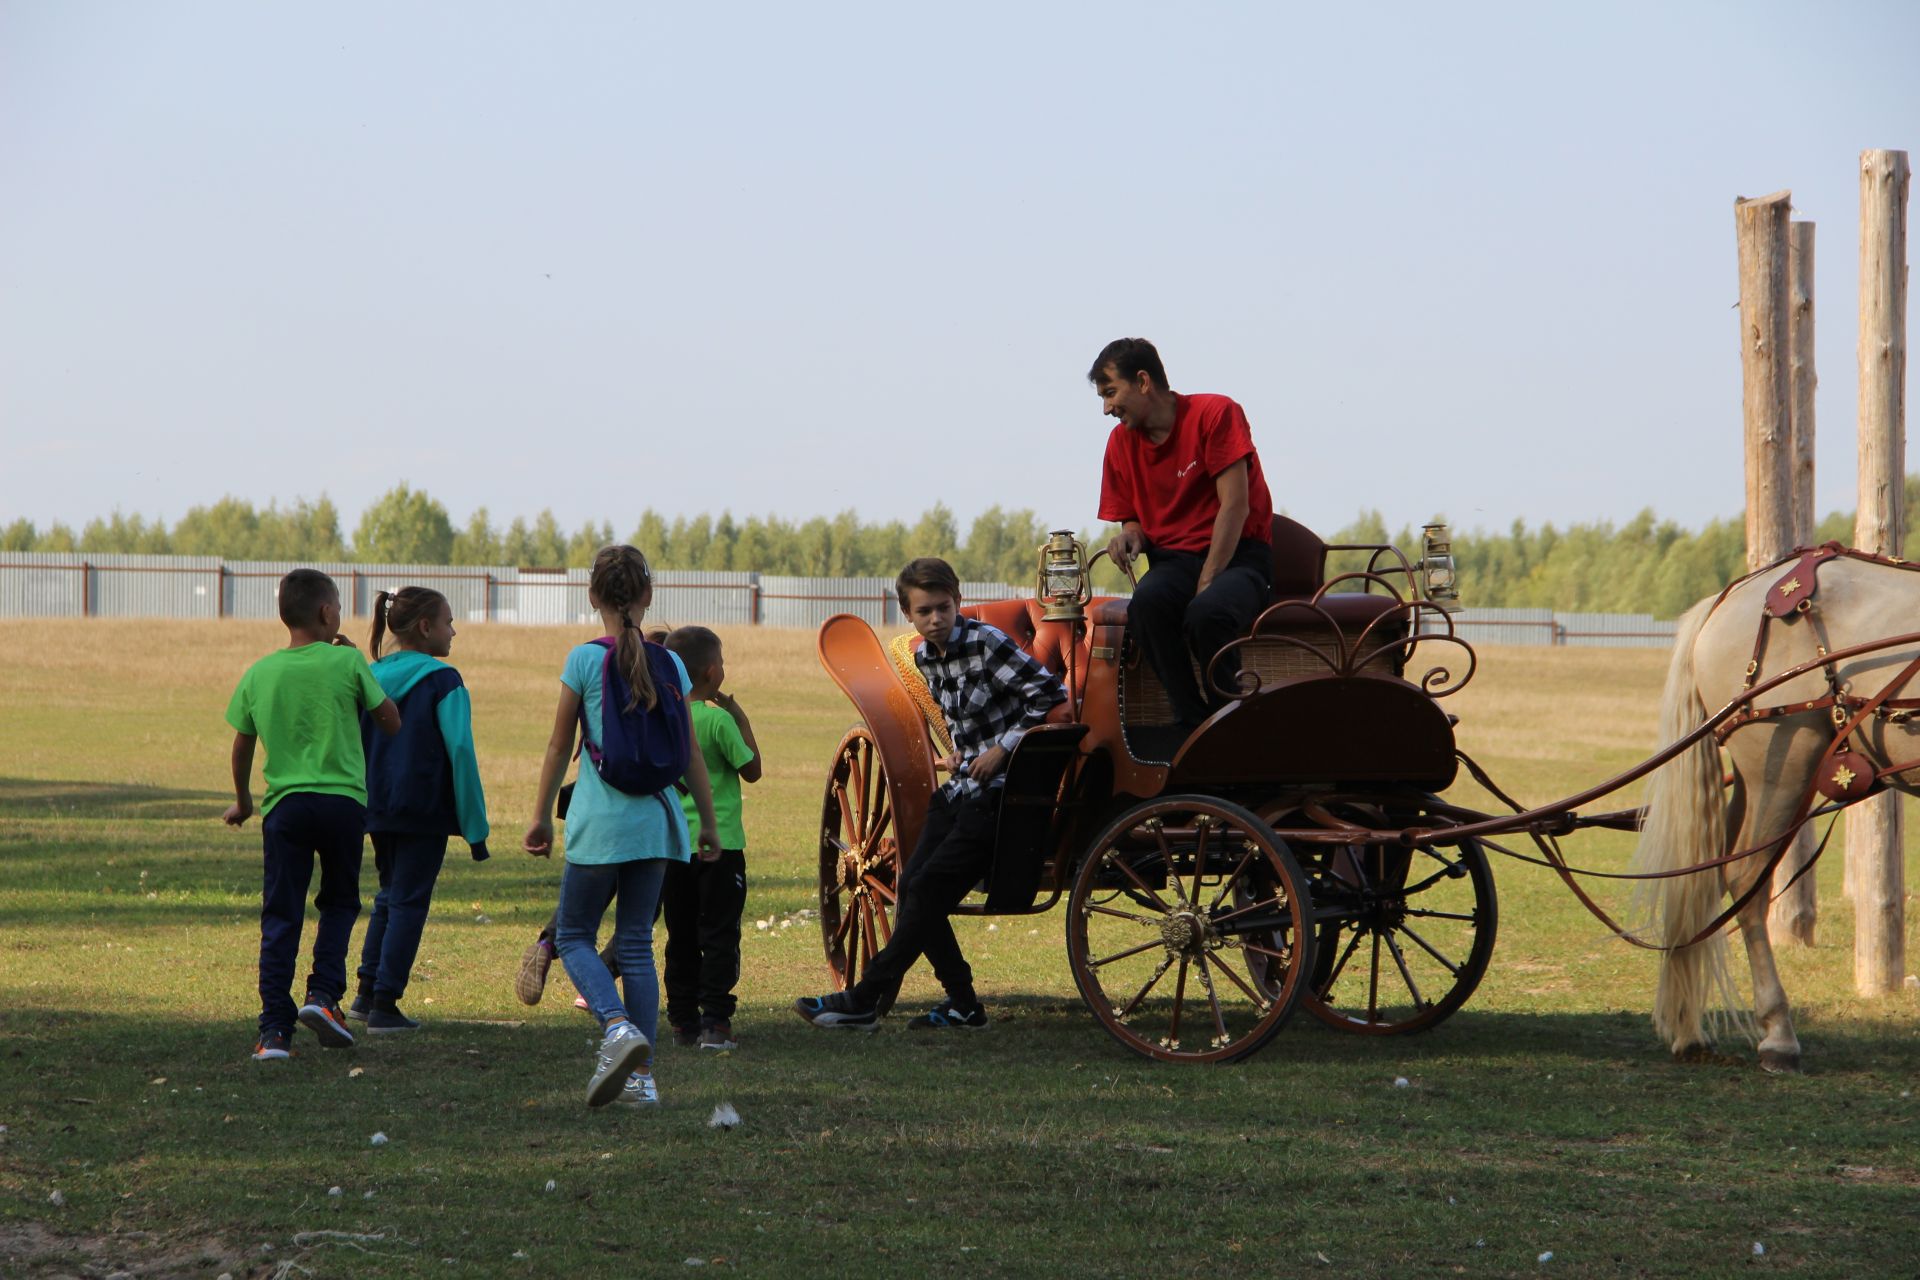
[(1693, 818)]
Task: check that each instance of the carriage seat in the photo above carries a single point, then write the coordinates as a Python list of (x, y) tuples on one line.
[(1020, 619), (1300, 569)]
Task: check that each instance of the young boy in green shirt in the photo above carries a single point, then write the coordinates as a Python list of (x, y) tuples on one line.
[(304, 702), (704, 900)]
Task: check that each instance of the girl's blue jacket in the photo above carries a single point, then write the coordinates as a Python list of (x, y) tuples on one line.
[(425, 779)]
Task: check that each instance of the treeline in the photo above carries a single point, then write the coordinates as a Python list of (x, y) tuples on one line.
[(1646, 565)]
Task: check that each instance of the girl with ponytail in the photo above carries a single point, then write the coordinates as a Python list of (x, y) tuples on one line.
[(423, 785), (618, 845)]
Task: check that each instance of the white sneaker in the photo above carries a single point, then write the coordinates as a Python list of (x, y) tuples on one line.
[(640, 1091), (623, 1052)]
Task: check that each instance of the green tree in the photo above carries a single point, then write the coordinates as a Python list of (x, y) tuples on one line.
[(127, 535), (651, 536), (586, 543), (479, 542), (404, 526), (304, 531), (18, 536), (230, 527)]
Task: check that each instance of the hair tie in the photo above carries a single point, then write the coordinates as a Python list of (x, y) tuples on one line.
[(626, 623)]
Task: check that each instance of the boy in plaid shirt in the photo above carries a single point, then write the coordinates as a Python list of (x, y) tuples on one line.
[(991, 692)]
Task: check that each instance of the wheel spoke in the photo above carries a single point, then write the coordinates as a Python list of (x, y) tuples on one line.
[(1148, 945), (1113, 855), (1276, 902), (846, 923), (1179, 1002), (1160, 971), (1260, 1002), (1429, 948), (1373, 983), (1425, 914), (1122, 915), (880, 887), (1173, 873), (1340, 967), (1233, 878), (1400, 962), (1213, 997), (1203, 829), (883, 920), (866, 928)]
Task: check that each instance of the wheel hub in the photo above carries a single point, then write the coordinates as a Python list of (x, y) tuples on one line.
[(1185, 931)]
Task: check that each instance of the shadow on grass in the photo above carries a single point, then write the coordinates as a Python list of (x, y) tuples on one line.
[(39, 798)]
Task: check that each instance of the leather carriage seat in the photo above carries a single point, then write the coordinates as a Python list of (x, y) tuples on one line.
[(1300, 569), (1020, 619)]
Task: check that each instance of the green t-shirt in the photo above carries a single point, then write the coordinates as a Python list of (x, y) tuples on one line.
[(726, 754), (304, 705)]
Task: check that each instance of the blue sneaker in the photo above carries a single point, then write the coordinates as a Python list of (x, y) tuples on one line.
[(837, 1010), (948, 1015)]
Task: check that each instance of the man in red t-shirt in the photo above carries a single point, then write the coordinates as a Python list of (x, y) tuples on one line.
[(1184, 481)]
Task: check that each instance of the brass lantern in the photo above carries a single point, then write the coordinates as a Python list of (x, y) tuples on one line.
[(1063, 585), (1436, 568)]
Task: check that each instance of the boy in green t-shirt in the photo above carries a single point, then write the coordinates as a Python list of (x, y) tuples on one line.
[(304, 703), (703, 899)]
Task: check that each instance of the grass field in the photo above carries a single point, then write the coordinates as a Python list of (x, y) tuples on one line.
[(136, 1135)]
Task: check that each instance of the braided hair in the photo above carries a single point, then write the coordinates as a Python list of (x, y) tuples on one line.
[(622, 582)]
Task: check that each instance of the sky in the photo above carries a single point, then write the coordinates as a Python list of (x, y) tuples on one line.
[(1470, 259)]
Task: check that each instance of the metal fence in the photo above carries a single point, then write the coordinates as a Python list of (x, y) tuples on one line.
[(122, 586), (83, 585)]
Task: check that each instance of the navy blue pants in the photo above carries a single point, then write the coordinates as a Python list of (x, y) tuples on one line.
[(303, 826), (703, 902), (407, 864), (1169, 622), (954, 852)]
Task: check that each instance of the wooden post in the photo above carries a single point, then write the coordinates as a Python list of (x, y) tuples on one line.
[(1874, 830), (1762, 227), (1796, 910)]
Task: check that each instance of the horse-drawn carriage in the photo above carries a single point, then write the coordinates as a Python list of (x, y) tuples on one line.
[(1291, 850)]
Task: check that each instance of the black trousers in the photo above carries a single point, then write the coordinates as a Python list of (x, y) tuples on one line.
[(307, 827), (703, 902), (1168, 621), (955, 850)]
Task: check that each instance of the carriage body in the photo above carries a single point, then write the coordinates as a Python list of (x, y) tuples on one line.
[(1216, 847)]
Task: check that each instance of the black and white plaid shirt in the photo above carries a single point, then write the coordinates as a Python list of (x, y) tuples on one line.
[(990, 690)]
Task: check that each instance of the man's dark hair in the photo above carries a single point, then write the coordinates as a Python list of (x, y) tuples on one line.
[(698, 647), (1129, 358), (929, 573), (302, 592)]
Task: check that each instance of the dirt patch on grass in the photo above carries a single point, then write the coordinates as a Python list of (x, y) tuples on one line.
[(31, 1249)]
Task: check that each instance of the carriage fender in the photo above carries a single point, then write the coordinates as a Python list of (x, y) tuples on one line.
[(854, 659)]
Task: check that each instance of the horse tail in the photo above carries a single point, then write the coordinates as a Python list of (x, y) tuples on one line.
[(1686, 825)]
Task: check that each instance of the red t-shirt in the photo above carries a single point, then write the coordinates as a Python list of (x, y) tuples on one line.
[(1169, 487)]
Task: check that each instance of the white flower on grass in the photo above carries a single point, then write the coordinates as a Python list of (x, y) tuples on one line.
[(760, 925), (552, 1185), (57, 1199), (1546, 1257), (723, 1117), (1759, 1250), (1401, 1082), (334, 1192), (378, 1139)]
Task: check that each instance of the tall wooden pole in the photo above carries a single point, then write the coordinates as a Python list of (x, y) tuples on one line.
[(1874, 833), (1796, 909), (1762, 228)]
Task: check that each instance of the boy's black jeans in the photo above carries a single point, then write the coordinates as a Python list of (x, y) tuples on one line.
[(955, 850), (303, 826), (703, 902)]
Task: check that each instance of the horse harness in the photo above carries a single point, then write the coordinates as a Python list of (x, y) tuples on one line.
[(1845, 772)]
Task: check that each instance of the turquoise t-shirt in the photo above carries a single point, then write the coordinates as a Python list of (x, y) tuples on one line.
[(726, 753), (604, 825), (304, 705)]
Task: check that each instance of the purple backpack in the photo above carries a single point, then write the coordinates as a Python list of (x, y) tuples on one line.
[(642, 752)]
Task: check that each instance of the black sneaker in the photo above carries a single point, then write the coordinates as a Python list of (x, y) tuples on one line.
[(686, 1037), (362, 1005), (321, 1015), (948, 1015), (386, 1016), (273, 1046), (836, 1010)]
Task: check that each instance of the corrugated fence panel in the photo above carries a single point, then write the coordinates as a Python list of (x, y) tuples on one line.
[(709, 597), (807, 602), (1615, 630), (81, 584)]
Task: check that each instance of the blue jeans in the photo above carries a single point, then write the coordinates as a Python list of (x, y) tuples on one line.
[(585, 892), (305, 825), (407, 864)]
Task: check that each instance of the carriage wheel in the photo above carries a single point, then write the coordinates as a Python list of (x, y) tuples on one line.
[(1405, 933), (859, 860), (1168, 905)]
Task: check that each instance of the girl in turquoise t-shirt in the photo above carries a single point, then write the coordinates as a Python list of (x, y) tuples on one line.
[(618, 845)]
